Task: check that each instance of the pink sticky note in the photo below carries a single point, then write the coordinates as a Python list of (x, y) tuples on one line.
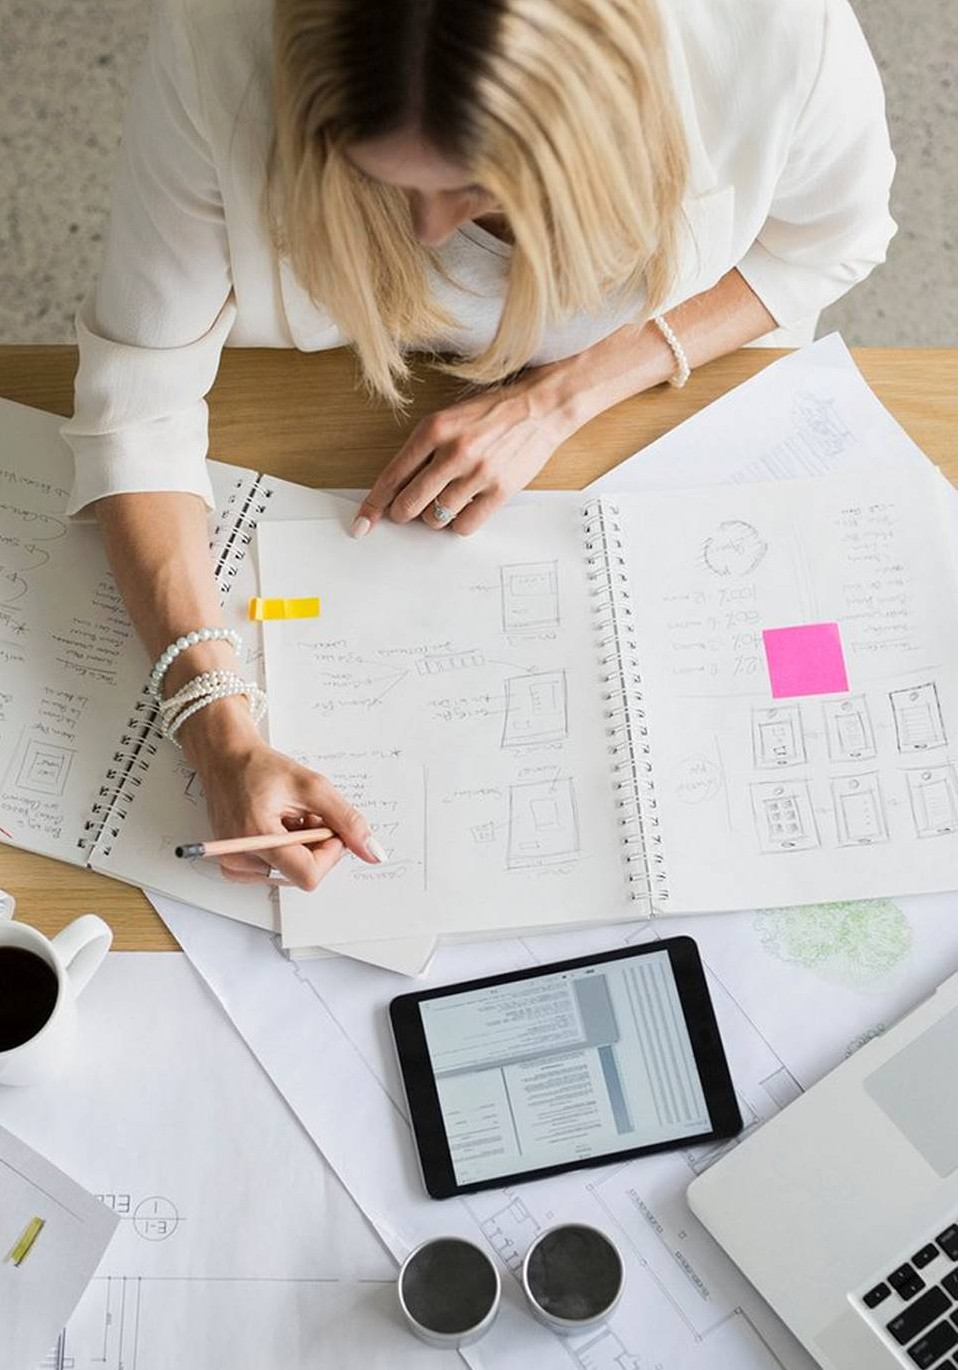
[(805, 660)]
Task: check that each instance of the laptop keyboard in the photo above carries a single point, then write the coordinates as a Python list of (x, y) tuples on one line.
[(915, 1307)]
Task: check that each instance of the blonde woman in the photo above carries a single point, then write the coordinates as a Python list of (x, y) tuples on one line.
[(570, 200)]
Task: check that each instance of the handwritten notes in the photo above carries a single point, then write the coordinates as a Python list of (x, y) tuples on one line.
[(797, 644)]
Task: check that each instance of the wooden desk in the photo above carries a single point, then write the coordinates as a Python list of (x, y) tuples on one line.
[(301, 416)]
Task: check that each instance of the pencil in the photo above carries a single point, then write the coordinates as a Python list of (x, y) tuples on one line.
[(264, 842)]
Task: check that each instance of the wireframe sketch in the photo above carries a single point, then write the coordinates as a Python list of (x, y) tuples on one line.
[(933, 800), (536, 710), (783, 813), (484, 833), (530, 597), (917, 717), (859, 810), (735, 549), (44, 768), (543, 826), (849, 729), (778, 737), (441, 663)]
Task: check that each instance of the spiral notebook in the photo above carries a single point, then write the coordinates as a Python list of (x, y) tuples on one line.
[(607, 708), (83, 775)]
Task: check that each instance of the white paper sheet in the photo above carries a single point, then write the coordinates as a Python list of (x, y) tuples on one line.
[(844, 789), (459, 708), (237, 1245), (792, 999), (43, 1269)]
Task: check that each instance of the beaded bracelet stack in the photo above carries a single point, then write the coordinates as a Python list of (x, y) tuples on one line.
[(203, 689)]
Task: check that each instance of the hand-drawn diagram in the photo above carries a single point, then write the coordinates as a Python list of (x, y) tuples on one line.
[(933, 800), (854, 944), (536, 710), (778, 737), (530, 597), (735, 549), (44, 768), (543, 827), (849, 729), (784, 816), (483, 833), (698, 779), (439, 663), (917, 717), (859, 810)]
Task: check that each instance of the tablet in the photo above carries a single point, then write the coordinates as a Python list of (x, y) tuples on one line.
[(605, 1057)]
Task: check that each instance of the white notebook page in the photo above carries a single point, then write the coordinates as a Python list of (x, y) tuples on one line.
[(70, 663), (450, 690), (827, 796)]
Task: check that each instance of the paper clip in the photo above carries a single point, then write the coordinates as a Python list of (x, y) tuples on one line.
[(261, 609)]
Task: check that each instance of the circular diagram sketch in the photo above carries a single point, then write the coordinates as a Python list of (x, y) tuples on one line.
[(735, 549), (852, 944), (698, 779), (155, 1218)]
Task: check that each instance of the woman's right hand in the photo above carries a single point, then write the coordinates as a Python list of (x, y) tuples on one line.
[(251, 788)]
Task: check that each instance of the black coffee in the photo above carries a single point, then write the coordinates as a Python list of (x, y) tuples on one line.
[(574, 1272), (28, 995), (449, 1286)]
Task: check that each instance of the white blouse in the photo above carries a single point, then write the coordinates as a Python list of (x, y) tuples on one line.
[(790, 176)]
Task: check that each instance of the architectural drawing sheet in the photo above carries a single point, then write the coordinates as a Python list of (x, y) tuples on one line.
[(236, 1245), (844, 787), (458, 705), (793, 993)]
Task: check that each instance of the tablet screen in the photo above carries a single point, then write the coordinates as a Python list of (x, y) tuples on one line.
[(562, 1067)]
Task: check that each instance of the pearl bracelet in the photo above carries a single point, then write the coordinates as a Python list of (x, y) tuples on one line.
[(200, 685), (682, 373), (198, 693), (168, 657)]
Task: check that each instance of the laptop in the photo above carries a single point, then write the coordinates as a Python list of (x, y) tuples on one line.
[(842, 1210)]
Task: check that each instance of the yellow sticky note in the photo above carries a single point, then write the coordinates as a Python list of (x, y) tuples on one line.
[(20, 1250), (261, 609)]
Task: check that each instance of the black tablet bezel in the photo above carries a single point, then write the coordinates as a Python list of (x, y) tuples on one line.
[(424, 1103)]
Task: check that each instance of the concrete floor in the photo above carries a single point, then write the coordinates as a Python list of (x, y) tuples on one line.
[(65, 68)]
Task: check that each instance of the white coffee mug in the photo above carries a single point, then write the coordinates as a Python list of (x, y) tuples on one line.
[(73, 955)]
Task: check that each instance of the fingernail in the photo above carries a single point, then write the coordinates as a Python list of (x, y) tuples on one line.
[(375, 850), (360, 527)]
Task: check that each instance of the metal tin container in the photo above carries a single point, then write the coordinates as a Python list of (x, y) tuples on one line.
[(449, 1291), (572, 1277)]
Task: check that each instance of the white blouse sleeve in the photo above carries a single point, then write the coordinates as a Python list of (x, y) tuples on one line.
[(151, 333), (829, 223)]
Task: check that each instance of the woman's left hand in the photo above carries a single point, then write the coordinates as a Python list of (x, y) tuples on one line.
[(471, 457)]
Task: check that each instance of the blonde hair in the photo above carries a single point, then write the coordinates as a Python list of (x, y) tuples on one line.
[(561, 109)]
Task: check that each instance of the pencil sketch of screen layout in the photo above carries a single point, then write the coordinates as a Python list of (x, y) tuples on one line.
[(854, 805), (563, 1067)]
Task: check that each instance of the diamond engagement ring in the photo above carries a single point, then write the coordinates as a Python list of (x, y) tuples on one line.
[(442, 514)]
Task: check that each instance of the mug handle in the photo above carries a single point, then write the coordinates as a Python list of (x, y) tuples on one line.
[(83, 944)]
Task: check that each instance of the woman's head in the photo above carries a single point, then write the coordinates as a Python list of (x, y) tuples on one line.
[(397, 120)]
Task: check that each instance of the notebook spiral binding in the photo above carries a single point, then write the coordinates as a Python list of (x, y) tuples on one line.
[(139, 740), (623, 697), (236, 527)]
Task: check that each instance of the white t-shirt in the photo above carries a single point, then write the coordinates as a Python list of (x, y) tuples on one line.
[(790, 170)]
